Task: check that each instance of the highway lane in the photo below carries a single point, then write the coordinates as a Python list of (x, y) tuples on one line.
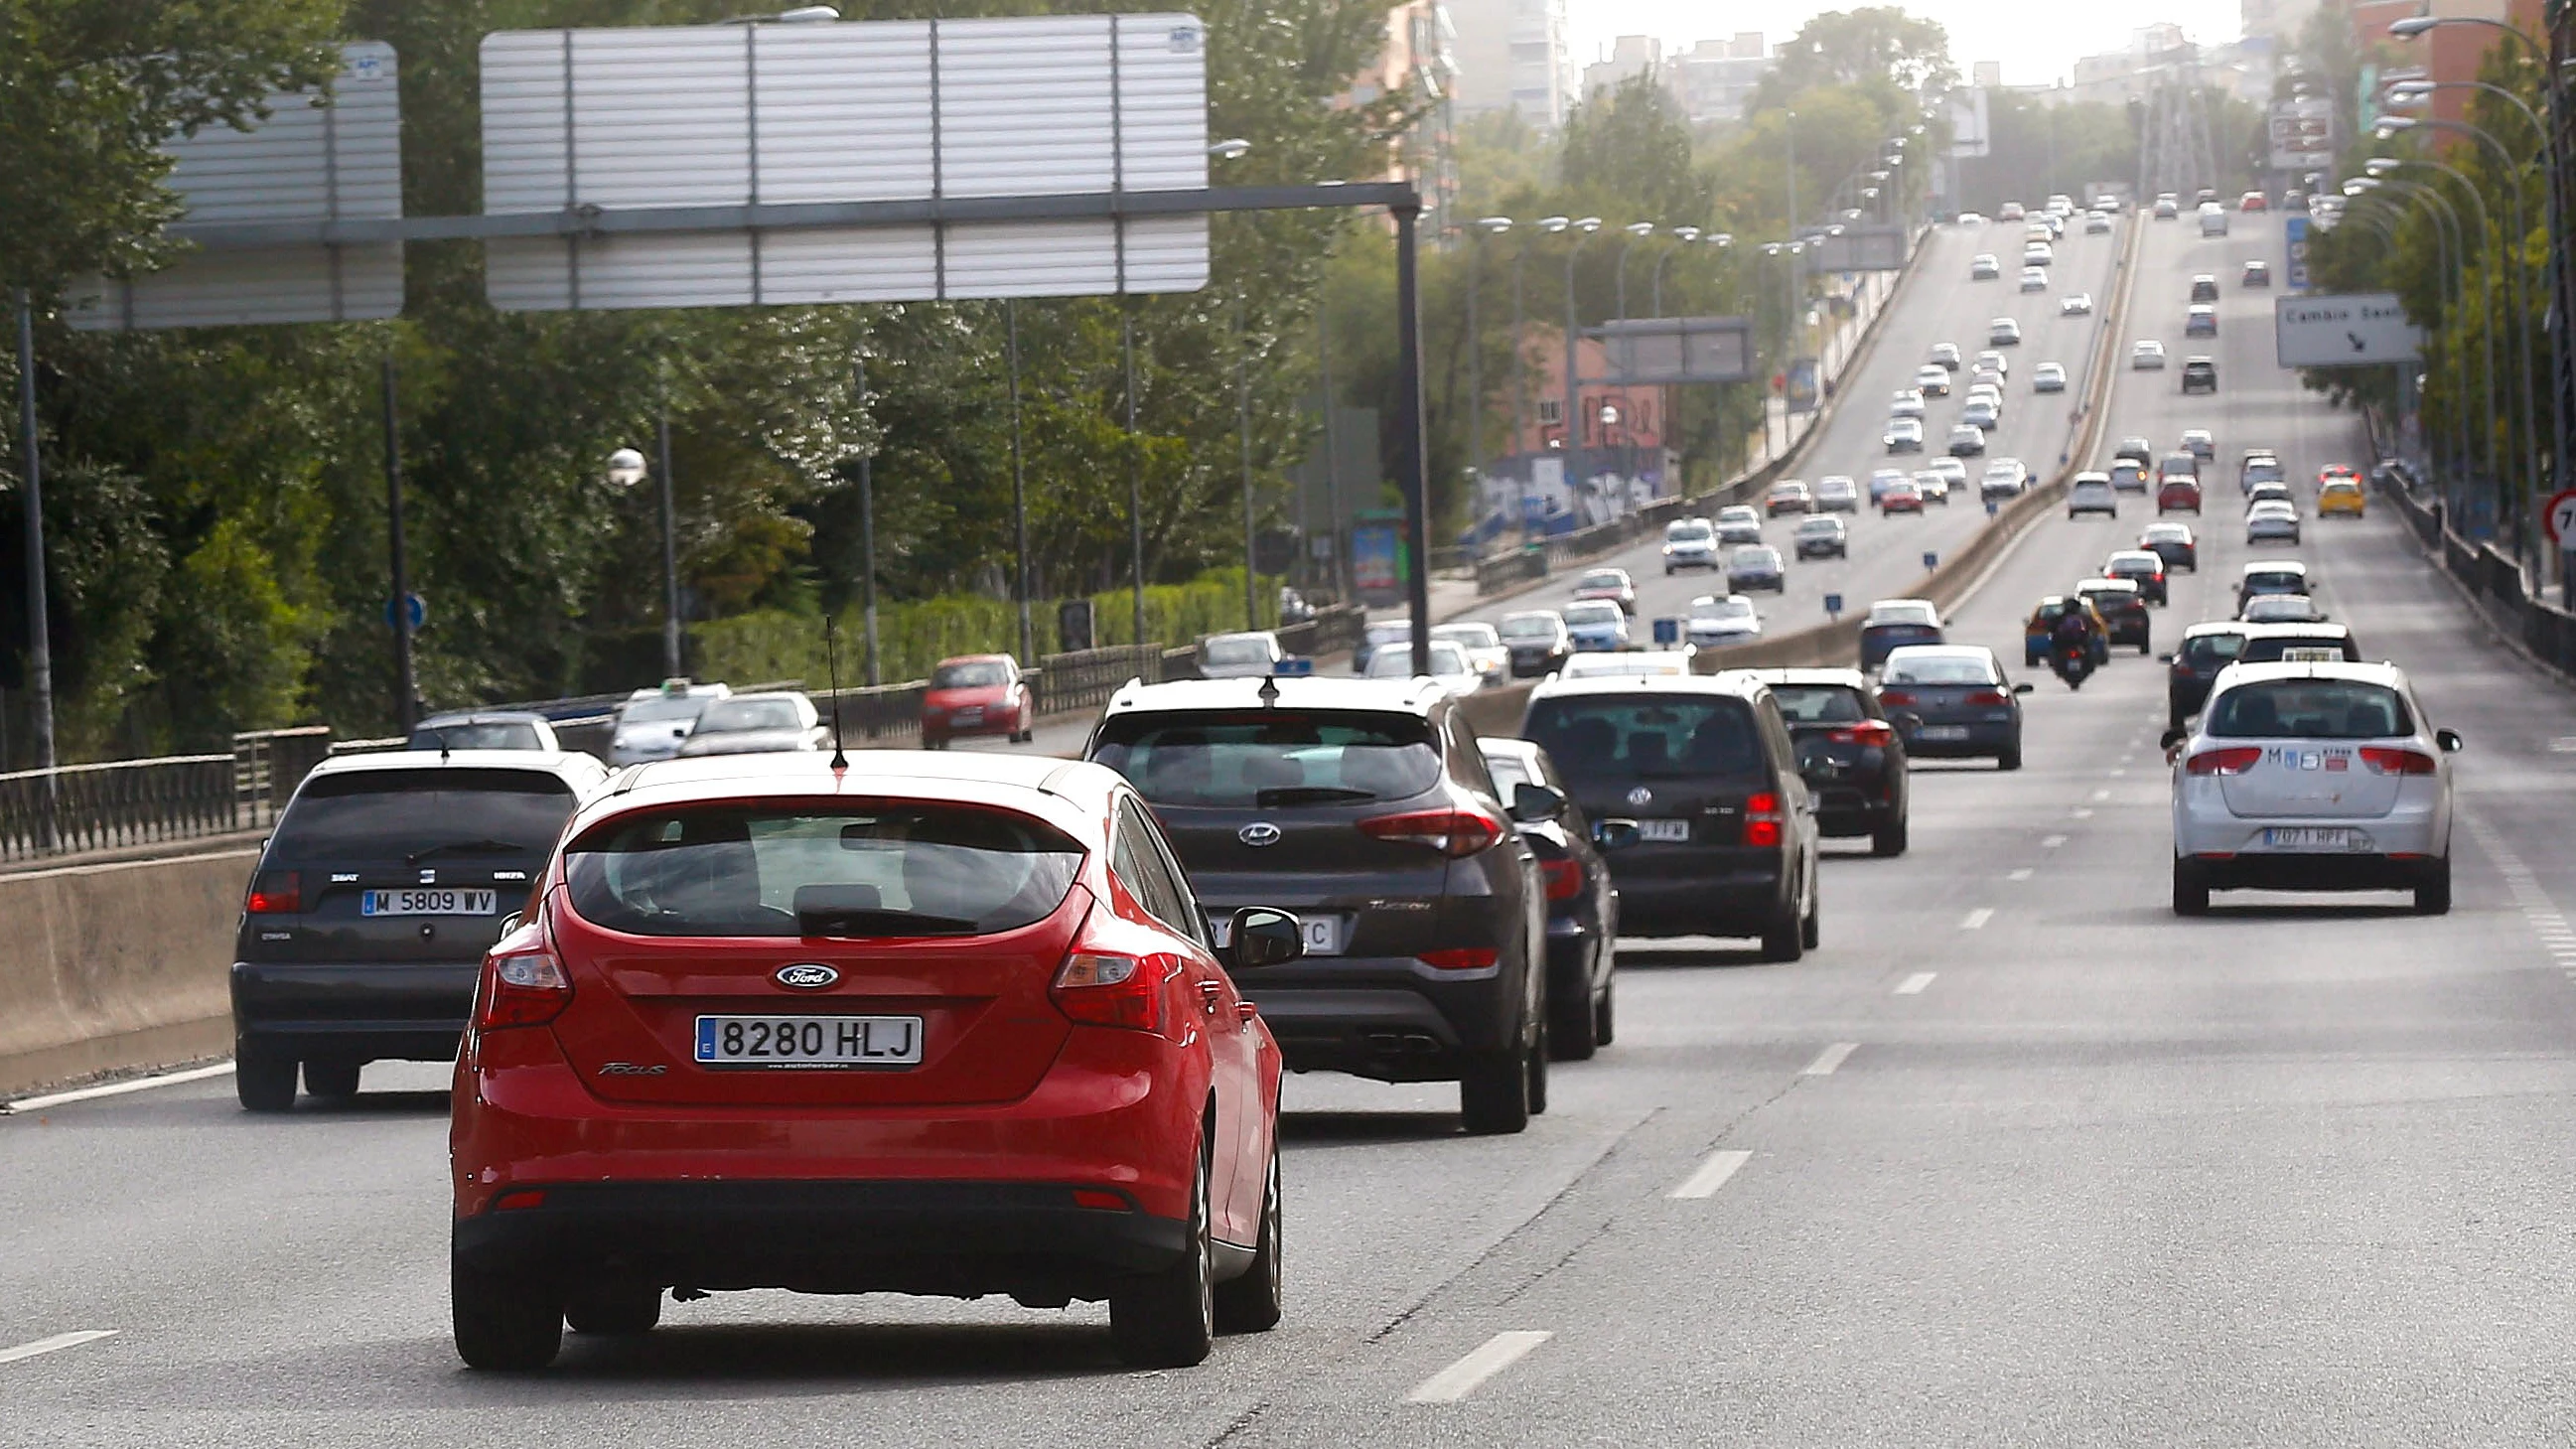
[(2295, 1173), (1939, 304)]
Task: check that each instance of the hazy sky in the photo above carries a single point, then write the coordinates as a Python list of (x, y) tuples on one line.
[(2037, 40)]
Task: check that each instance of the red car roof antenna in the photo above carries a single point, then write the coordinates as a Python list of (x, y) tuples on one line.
[(832, 661)]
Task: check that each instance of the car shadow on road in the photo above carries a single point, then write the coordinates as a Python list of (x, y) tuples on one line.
[(683, 1360), (2314, 911), (1660, 957), (1331, 1127)]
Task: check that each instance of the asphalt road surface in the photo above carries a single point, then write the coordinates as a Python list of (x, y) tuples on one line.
[(2018, 1157)]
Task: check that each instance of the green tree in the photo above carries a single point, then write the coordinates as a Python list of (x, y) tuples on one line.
[(1875, 45)]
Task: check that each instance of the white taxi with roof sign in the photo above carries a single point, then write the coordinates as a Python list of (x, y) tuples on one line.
[(2312, 775)]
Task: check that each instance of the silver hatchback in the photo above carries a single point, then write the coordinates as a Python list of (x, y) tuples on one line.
[(2312, 776)]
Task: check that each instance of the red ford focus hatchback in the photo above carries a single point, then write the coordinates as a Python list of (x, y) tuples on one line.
[(977, 694), (946, 1025)]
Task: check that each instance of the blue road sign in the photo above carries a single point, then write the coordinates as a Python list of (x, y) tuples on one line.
[(1833, 603), (419, 612), (1668, 631), (1931, 561)]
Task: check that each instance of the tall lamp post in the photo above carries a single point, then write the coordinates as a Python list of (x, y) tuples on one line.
[(2452, 244), (1572, 424), (2360, 189), (2382, 166), (1637, 231), (1655, 283), (1485, 226), (626, 468)]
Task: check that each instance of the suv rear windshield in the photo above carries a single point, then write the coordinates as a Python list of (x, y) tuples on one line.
[(2203, 650), (1529, 626), (475, 735), (2311, 709), (1611, 737), (1819, 703), (2277, 581), (1273, 758), (420, 814), (857, 869), (1237, 651), (2273, 649)]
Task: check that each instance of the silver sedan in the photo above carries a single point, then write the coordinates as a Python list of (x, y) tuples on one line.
[(2312, 777)]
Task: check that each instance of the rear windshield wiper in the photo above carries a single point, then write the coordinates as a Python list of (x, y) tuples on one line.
[(1308, 795), (864, 923), (467, 847)]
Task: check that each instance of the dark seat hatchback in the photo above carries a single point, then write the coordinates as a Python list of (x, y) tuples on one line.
[(1365, 807), (1582, 903), (2206, 649), (1705, 767), (387, 879), (1848, 750)]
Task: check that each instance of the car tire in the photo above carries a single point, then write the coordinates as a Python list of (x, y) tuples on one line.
[(1167, 1319), (263, 1079), (1493, 1094), (2144, 646), (2433, 892), (337, 1079), (2190, 888), (614, 1312), (1252, 1302), (1811, 931), (1605, 1016), (2010, 759), (1889, 839), (1572, 1034), (1534, 1064), (505, 1324), (1785, 939)]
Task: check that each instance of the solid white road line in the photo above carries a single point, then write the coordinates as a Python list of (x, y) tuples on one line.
[(2101, 794), (1830, 1058), (2083, 814), (2021, 874), (1491, 1357), (1712, 1174), (1913, 985), (2052, 842), (57, 1342), (1977, 919), (114, 1089)]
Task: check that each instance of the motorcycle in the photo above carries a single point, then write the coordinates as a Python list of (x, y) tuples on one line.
[(2074, 664)]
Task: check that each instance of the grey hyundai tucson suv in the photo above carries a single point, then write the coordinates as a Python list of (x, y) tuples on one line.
[(1706, 768), (1365, 807), (387, 878)]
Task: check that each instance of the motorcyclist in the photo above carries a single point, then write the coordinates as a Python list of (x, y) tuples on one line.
[(2071, 642)]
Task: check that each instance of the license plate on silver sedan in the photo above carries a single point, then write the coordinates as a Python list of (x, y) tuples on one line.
[(427, 901), (2313, 837), (809, 1041)]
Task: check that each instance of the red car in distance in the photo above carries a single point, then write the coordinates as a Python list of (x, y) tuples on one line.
[(871, 1024), (2177, 495), (977, 694)]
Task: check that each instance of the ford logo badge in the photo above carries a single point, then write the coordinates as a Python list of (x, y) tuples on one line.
[(806, 976), (1259, 833), (1641, 797)]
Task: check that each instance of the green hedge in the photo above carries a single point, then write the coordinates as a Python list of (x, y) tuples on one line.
[(915, 635)]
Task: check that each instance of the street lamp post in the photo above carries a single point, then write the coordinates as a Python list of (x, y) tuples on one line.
[(1655, 288), (626, 468), (1548, 225), (1485, 226), (2446, 249), (1637, 231), (1572, 423), (2379, 166)]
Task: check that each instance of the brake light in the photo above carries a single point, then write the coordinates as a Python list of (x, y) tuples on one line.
[(2388, 760), (2232, 760), (1872, 732), (1989, 696), (1103, 990), (1460, 958), (521, 988), (275, 892), (1895, 696), (1564, 878), (1454, 833), (1762, 819)]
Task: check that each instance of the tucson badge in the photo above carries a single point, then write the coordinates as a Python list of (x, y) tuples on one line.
[(807, 976)]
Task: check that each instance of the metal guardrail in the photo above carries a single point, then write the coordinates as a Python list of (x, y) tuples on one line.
[(74, 808)]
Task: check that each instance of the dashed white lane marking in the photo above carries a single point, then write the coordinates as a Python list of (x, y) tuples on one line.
[(115, 1089), (2101, 794), (55, 1344), (2083, 814), (2052, 842), (1976, 920), (1913, 985), (2021, 874), (1830, 1058), (2116, 774), (2538, 911), (1712, 1174), (1491, 1357)]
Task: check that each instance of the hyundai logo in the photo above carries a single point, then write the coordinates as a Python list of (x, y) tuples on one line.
[(1259, 833), (806, 976), (1641, 797)]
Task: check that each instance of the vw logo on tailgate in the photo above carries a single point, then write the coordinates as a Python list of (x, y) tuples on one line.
[(1641, 797), (1259, 833), (806, 976)]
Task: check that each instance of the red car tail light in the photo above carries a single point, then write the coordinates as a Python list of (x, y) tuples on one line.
[(275, 892), (521, 988), (1460, 958), (1875, 733), (2389, 760), (1990, 696), (1762, 820), (1564, 878), (1454, 833), (1895, 696), (2232, 760), (1104, 990)]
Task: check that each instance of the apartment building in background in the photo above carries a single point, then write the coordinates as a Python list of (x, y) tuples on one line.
[(1716, 78), (1512, 55)]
